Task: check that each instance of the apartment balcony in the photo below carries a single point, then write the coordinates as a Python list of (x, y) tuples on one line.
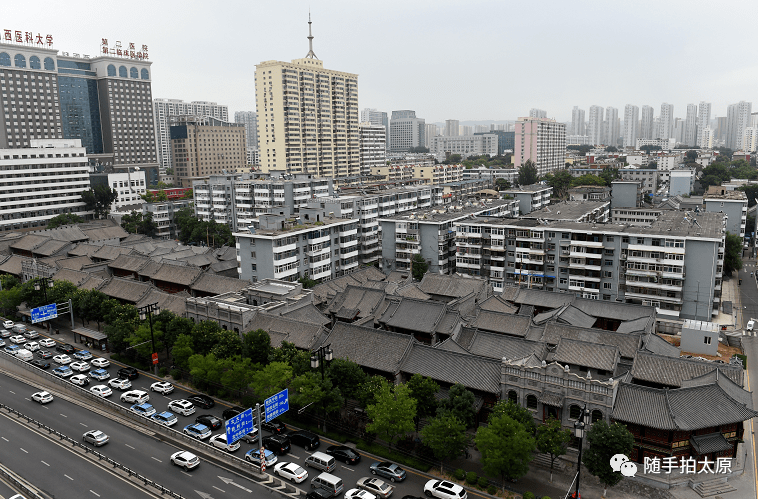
[(582, 254), (653, 297), (285, 261), (586, 266), (527, 260), (583, 289), (530, 239), (588, 244), (319, 251), (285, 273), (467, 265), (654, 285), (322, 274)]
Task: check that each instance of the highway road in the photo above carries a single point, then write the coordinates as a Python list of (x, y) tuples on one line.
[(6, 490)]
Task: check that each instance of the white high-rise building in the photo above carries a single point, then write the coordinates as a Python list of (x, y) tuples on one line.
[(690, 126), (377, 118), (250, 120), (737, 119), (373, 142), (452, 128), (595, 129), (631, 125), (481, 128), (537, 113), (465, 130), (707, 136), (750, 139), (431, 131), (578, 125), (646, 123), (406, 131), (703, 121), (678, 131), (666, 127), (163, 108), (611, 126)]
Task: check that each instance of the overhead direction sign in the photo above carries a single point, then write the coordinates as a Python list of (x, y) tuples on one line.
[(239, 426), (277, 404), (44, 313)]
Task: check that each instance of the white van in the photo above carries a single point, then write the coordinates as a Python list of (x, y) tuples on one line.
[(321, 461), (24, 355)]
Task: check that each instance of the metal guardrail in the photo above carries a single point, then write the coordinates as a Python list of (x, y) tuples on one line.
[(18, 483)]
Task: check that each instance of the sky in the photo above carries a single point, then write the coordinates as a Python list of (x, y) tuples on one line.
[(468, 60)]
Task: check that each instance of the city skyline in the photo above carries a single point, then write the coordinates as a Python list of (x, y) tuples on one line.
[(691, 32)]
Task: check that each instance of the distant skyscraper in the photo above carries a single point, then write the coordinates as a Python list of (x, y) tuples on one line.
[(646, 123), (678, 131), (377, 118), (452, 128), (537, 113), (703, 121), (465, 131), (481, 128), (750, 139), (595, 129), (666, 130), (690, 126), (737, 119), (250, 120), (541, 140), (430, 131), (631, 125), (611, 126), (406, 131), (578, 125)]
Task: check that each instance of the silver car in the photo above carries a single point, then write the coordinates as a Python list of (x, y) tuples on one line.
[(96, 438)]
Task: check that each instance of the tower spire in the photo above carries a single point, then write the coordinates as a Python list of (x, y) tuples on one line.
[(311, 54)]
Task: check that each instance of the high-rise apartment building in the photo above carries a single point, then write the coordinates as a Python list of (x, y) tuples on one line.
[(541, 140), (578, 125), (646, 123), (690, 126), (537, 113), (703, 121), (373, 141), (406, 131), (612, 132), (430, 131), (750, 139), (737, 119), (595, 129), (465, 131), (666, 126), (250, 120), (377, 118), (307, 117), (452, 128), (631, 125)]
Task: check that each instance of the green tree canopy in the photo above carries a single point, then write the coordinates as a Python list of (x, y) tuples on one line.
[(419, 266), (502, 184), (732, 253), (368, 389), (64, 219), (648, 148), (347, 376), (587, 179), (514, 411), (182, 351), (560, 181), (609, 175), (691, 156), (307, 282), (309, 388), (139, 223), (459, 403), (271, 379), (99, 200), (393, 412), (256, 345), (423, 389), (506, 448), (527, 174), (205, 335), (581, 149), (228, 345), (605, 442), (552, 440), (446, 436), (453, 159)]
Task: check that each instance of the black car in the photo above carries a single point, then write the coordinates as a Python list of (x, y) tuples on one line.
[(278, 444), (44, 354), (305, 439), (232, 411), (129, 373), (65, 348), (210, 421), (320, 494), (202, 401), (343, 453), (40, 363), (274, 426)]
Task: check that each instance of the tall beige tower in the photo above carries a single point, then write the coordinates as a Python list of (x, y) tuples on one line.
[(307, 117)]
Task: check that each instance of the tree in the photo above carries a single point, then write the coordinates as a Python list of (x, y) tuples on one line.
[(587, 179), (514, 411), (289, 353), (527, 174), (453, 159), (648, 148), (182, 351), (237, 373), (552, 440), (506, 448), (611, 149), (419, 266), (393, 412), (188, 194), (139, 223), (581, 149), (446, 436), (714, 174), (142, 340), (459, 403), (99, 199), (169, 171), (653, 165), (423, 389), (502, 184), (309, 388), (732, 253), (560, 181), (307, 282), (256, 345), (228, 345), (205, 335), (206, 371), (744, 170), (368, 390), (347, 376), (691, 156), (609, 175), (605, 442), (64, 219), (174, 328), (750, 225), (270, 380)]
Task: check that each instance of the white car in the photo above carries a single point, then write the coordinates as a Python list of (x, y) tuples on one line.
[(62, 359), (101, 391), (749, 327), (186, 460), (135, 397), (42, 397), (82, 355), (96, 438), (100, 362), (163, 387), (31, 334), (359, 494), (292, 471), (32, 346), (220, 442), (47, 342), (120, 384), (79, 366), (79, 379), (18, 339), (8, 324), (444, 490), (183, 407)]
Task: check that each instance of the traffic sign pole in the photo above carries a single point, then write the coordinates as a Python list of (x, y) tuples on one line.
[(260, 437)]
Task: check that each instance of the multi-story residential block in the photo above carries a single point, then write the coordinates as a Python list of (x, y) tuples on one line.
[(750, 139), (578, 125), (250, 120), (54, 174), (430, 132), (466, 130), (648, 177), (666, 125), (393, 172), (452, 128), (541, 140), (611, 126), (163, 215), (505, 140), (635, 216), (377, 118), (703, 123), (530, 197), (406, 131), (668, 161), (465, 145), (577, 140), (646, 123), (537, 113), (493, 174), (307, 117), (373, 144), (205, 146), (595, 127), (681, 182), (438, 174), (738, 117), (129, 185), (664, 144), (690, 126), (631, 125), (590, 193), (732, 203), (580, 211)]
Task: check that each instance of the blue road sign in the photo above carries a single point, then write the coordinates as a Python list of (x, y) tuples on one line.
[(277, 404), (44, 313), (239, 426)]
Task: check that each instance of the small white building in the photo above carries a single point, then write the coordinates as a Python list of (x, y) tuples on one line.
[(700, 337)]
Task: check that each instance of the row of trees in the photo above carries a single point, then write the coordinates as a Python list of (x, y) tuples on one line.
[(193, 230), (562, 180)]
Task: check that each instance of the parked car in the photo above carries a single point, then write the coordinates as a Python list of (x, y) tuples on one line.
[(44, 354), (99, 374), (18, 339), (165, 418), (443, 489), (120, 384), (62, 359), (4, 333), (144, 410), (32, 346), (8, 324), (79, 366), (135, 397), (305, 439), (63, 371), (31, 334)]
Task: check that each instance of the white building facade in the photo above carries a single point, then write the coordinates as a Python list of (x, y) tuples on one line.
[(373, 140)]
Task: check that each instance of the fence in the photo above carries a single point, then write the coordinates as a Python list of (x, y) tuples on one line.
[(9, 475)]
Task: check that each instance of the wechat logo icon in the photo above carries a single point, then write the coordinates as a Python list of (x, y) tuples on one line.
[(621, 463)]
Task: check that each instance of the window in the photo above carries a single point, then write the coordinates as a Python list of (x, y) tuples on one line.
[(145, 74), (20, 62), (575, 412), (531, 402), (707, 340), (5, 59), (111, 70), (607, 285), (597, 415), (608, 263), (607, 273), (49, 64), (513, 396), (122, 72), (133, 73), (34, 62), (607, 297), (609, 239)]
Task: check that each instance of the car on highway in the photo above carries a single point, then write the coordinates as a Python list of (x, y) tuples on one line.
[(202, 401), (32, 346), (47, 342), (101, 391), (252, 437), (40, 363), (231, 412), (42, 397), (278, 444), (197, 430), (291, 471), (18, 328), (18, 339), (163, 387), (378, 487), (82, 355), (129, 373), (750, 325), (165, 418), (144, 410), (99, 374), (79, 366), (4, 333), (443, 489), (183, 407), (79, 379), (135, 397), (388, 470), (274, 426), (31, 334), (343, 453), (63, 371), (210, 421), (96, 438), (318, 494), (359, 494), (44, 354), (220, 442), (120, 384), (8, 324), (65, 348), (254, 456), (2, 342), (304, 439), (62, 359), (184, 459), (100, 362), (12, 349)]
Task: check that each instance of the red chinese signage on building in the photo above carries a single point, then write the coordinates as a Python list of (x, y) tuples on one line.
[(27, 38), (129, 51)]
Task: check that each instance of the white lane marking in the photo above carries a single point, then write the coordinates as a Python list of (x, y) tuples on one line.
[(296, 457), (45, 407), (12, 392), (98, 495), (5, 439), (27, 399), (151, 457), (186, 473), (83, 425), (129, 446), (64, 415), (24, 450), (68, 477), (349, 469), (220, 490), (43, 462)]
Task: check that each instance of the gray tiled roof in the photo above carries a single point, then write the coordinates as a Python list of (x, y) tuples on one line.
[(655, 344), (451, 346), (450, 285), (515, 325), (74, 263), (576, 317), (309, 313), (150, 269), (466, 336), (411, 291), (581, 353), (527, 310), (553, 399), (545, 316), (626, 343), (104, 233), (730, 387), (712, 442), (472, 371), (510, 293), (106, 252), (29, 242), (130, 263), (613, 310), (177, 274), (362, 301), (414, 315), (223, 266), (641, 324), (127, 290), (216, 284), (73, 276), (65, 233), (369, 347), (674, 371), (12, 265), (176, 302), (326, 290), (642, 405), (542, 299), (303, 335), (51, 247), (448, 323), (497, 346), (497, 304), (83, 249)]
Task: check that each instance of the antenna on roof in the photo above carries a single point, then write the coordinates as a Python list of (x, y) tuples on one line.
[(311, 54)]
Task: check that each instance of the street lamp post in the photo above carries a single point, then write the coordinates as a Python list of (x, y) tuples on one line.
[(148, 311), (318, 359), (43, 283), (579, 430)]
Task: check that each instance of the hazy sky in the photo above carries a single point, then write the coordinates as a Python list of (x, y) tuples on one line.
[(465, 60)]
